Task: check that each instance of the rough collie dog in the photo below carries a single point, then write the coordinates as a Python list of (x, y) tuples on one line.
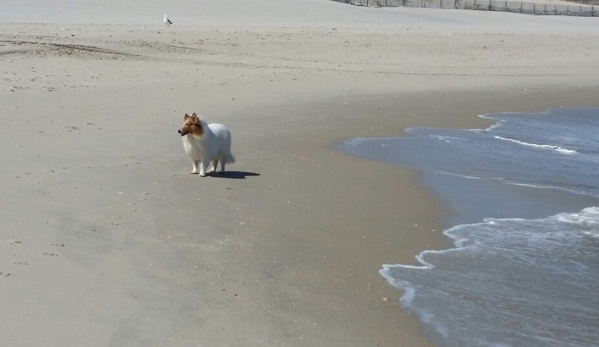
[(205, 144)]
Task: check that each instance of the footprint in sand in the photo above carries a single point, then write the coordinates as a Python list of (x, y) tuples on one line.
[(16, 262), (50, 254), (5, 274)]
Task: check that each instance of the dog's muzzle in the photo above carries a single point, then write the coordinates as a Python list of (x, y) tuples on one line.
[(182, 133)]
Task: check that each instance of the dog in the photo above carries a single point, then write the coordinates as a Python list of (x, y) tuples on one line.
[(205, 144)]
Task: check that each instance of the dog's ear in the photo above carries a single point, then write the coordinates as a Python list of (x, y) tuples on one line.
[(194, 116), (185, 117)]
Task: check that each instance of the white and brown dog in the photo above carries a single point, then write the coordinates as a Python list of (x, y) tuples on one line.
[(205, 144)]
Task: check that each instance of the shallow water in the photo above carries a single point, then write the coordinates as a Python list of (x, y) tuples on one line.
[(525, 270)]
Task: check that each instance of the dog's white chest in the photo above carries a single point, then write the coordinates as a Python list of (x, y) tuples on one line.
[(192, 147)]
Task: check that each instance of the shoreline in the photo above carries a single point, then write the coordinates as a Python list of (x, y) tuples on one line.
[(286, 250), (437, 287), (429, 214)]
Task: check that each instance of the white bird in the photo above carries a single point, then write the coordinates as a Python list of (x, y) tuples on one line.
[(167, 21)]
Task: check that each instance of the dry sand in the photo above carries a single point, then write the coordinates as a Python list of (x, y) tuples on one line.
[(105, 237)]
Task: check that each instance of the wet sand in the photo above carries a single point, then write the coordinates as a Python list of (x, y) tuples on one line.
[(106, 239)]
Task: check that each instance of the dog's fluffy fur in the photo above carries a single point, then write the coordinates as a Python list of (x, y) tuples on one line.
[(205, 144)]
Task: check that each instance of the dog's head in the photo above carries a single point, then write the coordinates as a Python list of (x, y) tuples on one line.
[(191, 125)]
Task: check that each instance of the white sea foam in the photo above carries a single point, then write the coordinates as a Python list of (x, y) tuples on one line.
[(503, 180), (446, 139), (457, 175), (548, 147), (495, 126), (407, 300), (452, 290)]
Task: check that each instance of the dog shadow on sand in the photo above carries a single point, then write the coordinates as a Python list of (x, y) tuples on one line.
[(234, 175)]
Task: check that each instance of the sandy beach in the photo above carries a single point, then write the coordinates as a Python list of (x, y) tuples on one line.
[(107, 240)]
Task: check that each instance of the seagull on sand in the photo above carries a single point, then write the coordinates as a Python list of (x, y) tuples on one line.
[(167, 21)]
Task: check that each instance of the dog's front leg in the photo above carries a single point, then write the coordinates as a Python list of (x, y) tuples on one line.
[(195, 167), (203, 167)]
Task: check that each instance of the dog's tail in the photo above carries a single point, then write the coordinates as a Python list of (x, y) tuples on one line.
[(230, 158)]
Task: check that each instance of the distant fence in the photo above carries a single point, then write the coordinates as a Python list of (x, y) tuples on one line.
[(374, 3), (533, 8), (486, 5)]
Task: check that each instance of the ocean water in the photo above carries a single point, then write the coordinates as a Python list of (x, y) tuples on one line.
[(525, 267)]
